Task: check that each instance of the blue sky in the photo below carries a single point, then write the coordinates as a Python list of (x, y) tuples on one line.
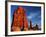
[(33, 14)]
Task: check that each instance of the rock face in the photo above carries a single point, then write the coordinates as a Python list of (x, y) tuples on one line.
[(20, 22)]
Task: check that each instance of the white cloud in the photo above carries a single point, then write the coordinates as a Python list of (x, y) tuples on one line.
[(29, 17), (32, 15)]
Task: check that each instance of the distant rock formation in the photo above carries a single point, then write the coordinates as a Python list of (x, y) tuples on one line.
[(35, 27), (30, 24), (20, 22)]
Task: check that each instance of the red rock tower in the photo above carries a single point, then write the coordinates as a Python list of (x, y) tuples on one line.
[(20, 22), (30, 24)]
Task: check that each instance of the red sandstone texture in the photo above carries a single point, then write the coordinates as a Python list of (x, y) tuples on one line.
[(20, 21)]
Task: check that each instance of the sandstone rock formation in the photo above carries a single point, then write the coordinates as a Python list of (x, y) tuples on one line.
[(20, 22)]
